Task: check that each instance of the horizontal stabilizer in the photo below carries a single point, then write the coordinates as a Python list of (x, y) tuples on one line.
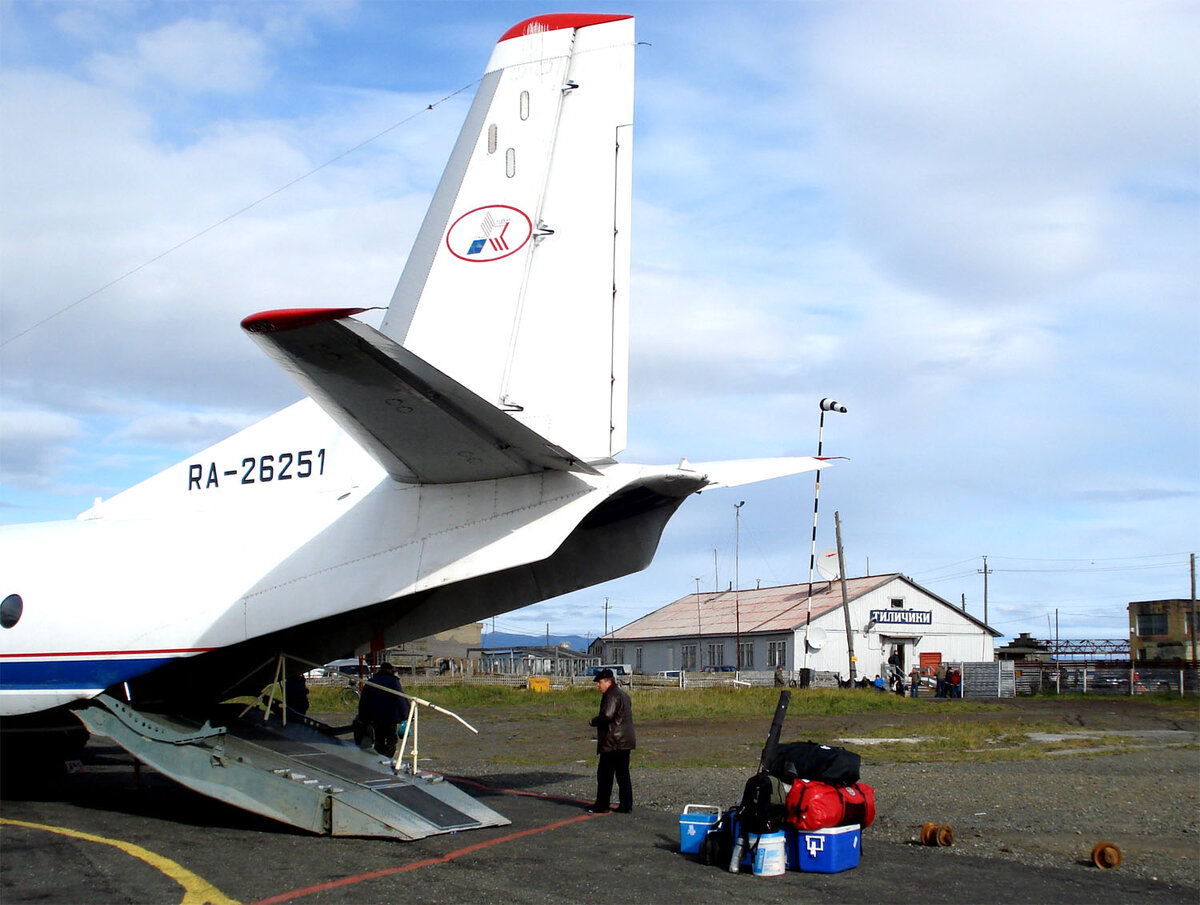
[(747, 471), (419, 424)]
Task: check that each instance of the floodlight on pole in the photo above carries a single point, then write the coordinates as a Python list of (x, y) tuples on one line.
[(827, 405), (699, 631)]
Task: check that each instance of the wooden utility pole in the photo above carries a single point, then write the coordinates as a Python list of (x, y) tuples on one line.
[(986, 573), (837, 523), (1193, 558)]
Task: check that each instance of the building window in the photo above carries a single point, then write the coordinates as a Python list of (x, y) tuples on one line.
[(618, 655), (637, 659), (776, 654), (747, 655), (1151, 624), (687, 656), (897, 602), (716, 653)]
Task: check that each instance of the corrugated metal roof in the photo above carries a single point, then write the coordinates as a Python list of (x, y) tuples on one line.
[(758, 610)]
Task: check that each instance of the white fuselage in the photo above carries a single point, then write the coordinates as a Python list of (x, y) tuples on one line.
[(228, 546)]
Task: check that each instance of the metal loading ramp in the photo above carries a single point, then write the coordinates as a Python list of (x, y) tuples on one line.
[(294, 774)]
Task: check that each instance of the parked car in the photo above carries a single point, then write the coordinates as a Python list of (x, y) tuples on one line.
[(720, 669), (347, 666), (619, 669), (667, 674)]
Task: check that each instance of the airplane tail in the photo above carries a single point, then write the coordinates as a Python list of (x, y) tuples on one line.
[(517, 284)]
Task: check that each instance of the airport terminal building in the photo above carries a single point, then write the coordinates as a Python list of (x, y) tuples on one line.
[(890, 616)]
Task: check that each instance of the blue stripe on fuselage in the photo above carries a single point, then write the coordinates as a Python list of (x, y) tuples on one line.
[(100, 673)]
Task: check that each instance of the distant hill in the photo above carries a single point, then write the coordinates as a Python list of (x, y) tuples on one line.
[(508, 639)]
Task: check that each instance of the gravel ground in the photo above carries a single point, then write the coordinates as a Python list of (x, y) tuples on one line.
[(1045, 811)]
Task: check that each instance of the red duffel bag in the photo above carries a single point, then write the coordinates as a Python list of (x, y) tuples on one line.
[(858, 801), (814, 805)]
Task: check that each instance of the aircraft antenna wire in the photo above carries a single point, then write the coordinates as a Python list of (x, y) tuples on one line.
[(237, 213)]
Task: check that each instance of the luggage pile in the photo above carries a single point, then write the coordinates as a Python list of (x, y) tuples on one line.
[(824, 788), (806, 797), (811, 795)]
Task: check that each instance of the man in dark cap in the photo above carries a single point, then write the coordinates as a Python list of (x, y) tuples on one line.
[(382, 709), (614, 740)]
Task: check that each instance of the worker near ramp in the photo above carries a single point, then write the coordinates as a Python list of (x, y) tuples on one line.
[(614, 740), (382, 710)]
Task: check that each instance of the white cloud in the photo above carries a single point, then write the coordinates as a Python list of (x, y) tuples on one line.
[(975, 224), (192, 56), (978, 149), (35, 446)]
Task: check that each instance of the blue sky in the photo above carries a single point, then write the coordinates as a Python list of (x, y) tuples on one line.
[(977, 225)]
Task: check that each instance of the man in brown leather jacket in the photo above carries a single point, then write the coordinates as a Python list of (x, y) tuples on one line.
[(614, 740)]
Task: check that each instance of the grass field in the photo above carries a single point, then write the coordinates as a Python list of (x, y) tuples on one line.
[(659, 704), (726, 727)]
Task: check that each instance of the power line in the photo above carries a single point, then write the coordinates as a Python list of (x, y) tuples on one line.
[(1145, 568), (1091, 567), (952, 576), (947, 566), (1089, 559)]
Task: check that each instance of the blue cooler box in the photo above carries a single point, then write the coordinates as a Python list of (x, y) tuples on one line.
[(694, 824), (828, 851)]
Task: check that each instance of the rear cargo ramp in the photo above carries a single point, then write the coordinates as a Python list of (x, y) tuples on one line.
[(294, 774)]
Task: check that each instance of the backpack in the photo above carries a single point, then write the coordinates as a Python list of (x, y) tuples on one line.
[(716, 847), (755, 813), (808, 760)]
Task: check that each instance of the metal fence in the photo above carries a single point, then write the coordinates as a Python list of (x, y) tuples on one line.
[(1034, 677), (995, 679)]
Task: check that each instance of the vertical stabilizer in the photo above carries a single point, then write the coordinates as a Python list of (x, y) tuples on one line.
[(517, 285)]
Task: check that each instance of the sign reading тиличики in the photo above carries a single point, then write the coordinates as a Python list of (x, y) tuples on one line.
[(902, 617)]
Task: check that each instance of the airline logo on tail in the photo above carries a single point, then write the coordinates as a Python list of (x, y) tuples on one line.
[(489, 233)]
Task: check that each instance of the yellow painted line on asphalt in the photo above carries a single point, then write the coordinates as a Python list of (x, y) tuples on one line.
[(196, 890)]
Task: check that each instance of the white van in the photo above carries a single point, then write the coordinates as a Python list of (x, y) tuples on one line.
[(619, 669)]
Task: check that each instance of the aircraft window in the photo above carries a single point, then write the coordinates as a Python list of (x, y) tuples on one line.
[(524, 105), (10, 610), (510, 162), (492, 138)]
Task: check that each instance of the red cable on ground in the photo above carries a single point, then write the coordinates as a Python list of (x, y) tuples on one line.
[(440, 859)]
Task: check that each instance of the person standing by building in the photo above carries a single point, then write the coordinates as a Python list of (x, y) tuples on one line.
[(940, 691), (914, 679), (615, 739)]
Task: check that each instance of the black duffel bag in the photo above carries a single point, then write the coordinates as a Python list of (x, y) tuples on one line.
[(808, 760)]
